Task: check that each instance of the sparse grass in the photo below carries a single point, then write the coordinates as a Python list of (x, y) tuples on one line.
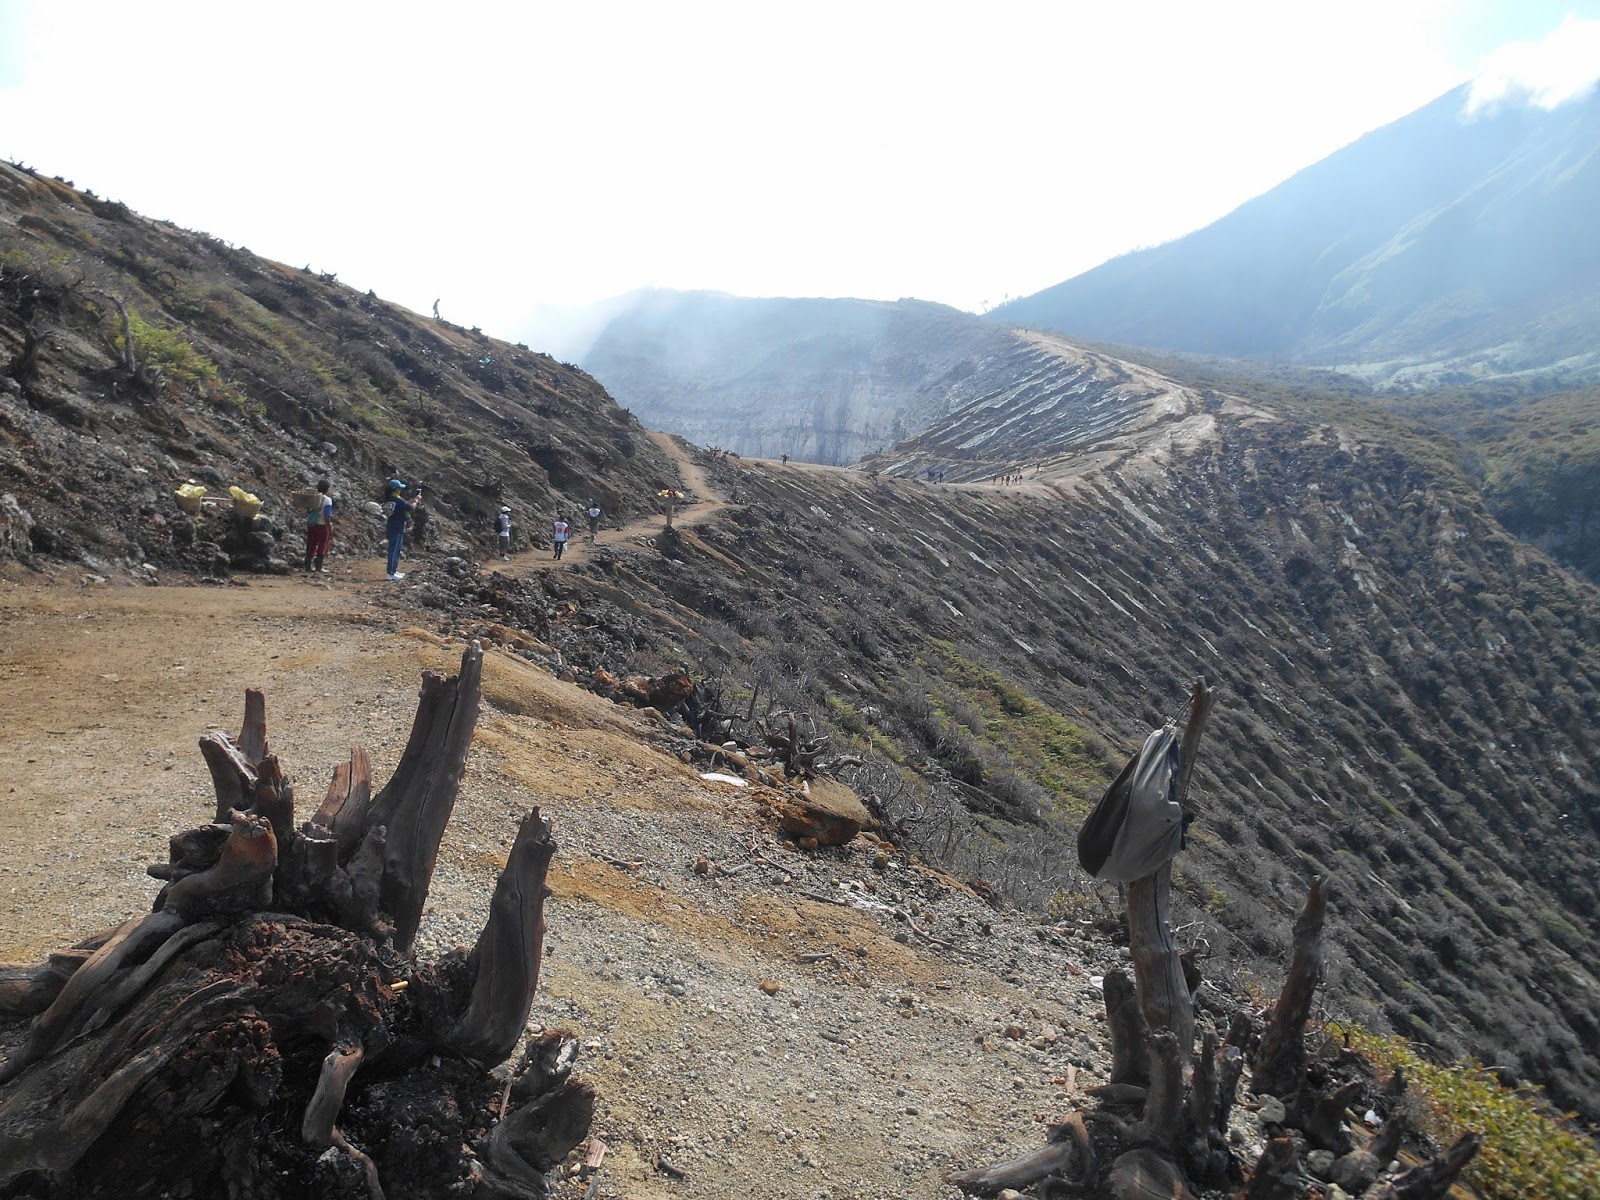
[(178, 363), (1053, 750), (1527, 1151)]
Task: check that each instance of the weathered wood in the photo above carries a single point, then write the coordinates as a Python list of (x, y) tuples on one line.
[(29, 988), (240, 881), (1157, 971), (1279, 1063), (1325, 1127), (1355, 1172), (252, 740), (416, 804), (527, 1144), (1229, 1069), (1130, 1061), (1203, 1099), (322, 1113), (136, 935), (1277, 1175), (1053, 1158), (1163, 1106), (169, 1051), (1433, 1179), (233, 777), (1142, 1174), (344, 811), (1201, 700), (1157, 966), (274, 799), (505, 961)]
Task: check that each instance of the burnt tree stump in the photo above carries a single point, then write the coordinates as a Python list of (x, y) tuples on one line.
[(1180, 1142), (265, 1031)]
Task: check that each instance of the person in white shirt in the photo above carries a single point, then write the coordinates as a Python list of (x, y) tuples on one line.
[(594, 514), (559, 532), (502, 529)]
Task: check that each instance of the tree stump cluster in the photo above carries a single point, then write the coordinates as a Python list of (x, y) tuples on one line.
[(1160, 1127), (265, 1031)]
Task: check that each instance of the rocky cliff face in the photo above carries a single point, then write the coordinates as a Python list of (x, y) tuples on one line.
[(820, 380)]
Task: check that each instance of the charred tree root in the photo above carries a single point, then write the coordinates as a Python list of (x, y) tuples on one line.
[(273, 972), (1180, 1138)]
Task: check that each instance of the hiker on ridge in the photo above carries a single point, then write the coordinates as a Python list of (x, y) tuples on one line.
[(559, 532), (594, 514)]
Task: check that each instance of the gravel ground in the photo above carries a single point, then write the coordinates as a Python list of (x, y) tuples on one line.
[(780, 1023)]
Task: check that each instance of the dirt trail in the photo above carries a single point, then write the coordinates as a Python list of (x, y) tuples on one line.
[(773, 1033), (706, 505)]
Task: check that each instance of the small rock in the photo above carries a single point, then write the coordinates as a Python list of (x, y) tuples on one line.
[(1016, 1032), (702, 866), (769, 987), (1271, 1111), (1318, 1162)]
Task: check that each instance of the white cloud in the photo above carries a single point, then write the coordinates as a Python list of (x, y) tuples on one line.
[(1562, 66)]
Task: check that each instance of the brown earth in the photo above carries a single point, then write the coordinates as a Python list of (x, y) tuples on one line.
[(774, 1031)]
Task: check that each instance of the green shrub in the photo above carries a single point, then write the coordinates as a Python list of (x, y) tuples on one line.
[(1527, 1151)]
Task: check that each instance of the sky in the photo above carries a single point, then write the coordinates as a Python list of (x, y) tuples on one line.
[(515, 160)]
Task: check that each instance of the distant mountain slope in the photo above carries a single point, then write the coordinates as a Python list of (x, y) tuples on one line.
[(1438, 248), (1409, 694), (1054, 413), (244, 371), (1538, 458), (820, 380)]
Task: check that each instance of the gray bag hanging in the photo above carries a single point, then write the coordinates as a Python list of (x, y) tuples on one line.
[(1138, 824)]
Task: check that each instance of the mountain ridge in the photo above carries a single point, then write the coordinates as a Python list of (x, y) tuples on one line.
[(1437, 249)]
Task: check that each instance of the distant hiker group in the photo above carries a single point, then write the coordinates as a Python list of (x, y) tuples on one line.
[(405, 518)]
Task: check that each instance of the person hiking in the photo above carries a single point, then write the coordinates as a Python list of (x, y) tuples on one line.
[(594, 514), (397, 511), (502, 531), (319, 527), (559, 532)]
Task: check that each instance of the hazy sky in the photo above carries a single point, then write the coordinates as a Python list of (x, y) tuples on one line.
[(504, 156)]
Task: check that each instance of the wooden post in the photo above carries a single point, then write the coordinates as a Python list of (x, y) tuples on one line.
[(1157, 968)]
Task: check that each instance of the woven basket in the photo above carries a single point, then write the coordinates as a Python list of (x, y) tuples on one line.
[(246, 510), (190, 504), (304, 500)]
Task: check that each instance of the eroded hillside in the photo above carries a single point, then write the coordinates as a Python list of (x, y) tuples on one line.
[(1411, 707), (245, 372)]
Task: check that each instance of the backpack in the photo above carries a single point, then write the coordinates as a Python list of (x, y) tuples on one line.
[(1138, 824)]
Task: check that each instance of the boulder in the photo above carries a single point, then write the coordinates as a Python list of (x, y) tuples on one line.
[(831, 813)]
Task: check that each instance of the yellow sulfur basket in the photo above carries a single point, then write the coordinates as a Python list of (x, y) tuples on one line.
[(245, 504), (189, 497)]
